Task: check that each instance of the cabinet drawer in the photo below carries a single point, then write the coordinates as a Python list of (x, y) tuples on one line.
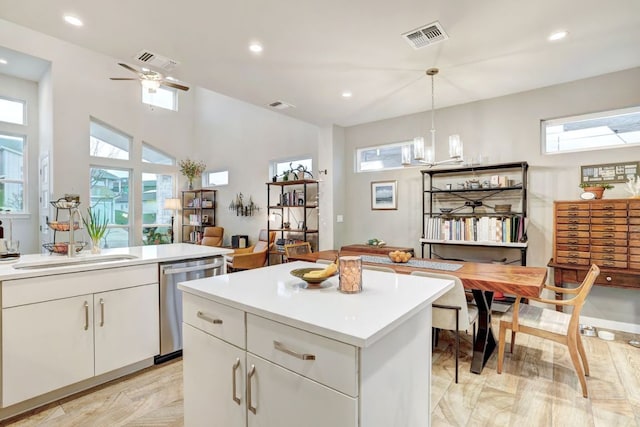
[(617, 221), (335, 364), (635, 266), (634, 228), (572, 220), (634, 219), (617, 280), (573, 214), (608, 257), (609, 249), (604, 213), (609, 235), (609, 206), (634, 243), (573, 254), (634, 237), (573, 248), (608, 242), (573, 234), (573, 227), (573, 261), (219, 320), (634, 250), (573, 240), (634, 259), (610, 264), (609, 227), (634, 204), (572, 206)]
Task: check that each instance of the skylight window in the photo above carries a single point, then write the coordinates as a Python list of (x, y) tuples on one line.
[(163, 97)]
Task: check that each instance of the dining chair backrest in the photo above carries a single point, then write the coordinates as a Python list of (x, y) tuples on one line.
[(582, 292), (456, 297), (300, 248)]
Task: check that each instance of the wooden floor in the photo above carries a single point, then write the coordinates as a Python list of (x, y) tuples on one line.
[(537, 388)]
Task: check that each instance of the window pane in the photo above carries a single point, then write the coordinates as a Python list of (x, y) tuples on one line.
[(156, 189), (109, 192), (12, 196), (609, 129), (163, 97), (284, 166), (104, 141), (151, 155), (12, 111), (382, 157), (11, 157), (216, 178)]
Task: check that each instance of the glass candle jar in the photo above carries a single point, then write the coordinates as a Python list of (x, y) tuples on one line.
[(350, 281)]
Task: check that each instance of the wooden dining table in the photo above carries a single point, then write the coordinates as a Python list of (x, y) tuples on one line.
[(483, 279)]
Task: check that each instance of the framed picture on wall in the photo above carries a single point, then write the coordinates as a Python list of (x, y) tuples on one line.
[(384, 195)]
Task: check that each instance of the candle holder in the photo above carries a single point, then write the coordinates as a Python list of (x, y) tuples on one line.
[(350, 281)]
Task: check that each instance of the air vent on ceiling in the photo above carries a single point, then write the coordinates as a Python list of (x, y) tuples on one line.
[(155, 60), (426, 35), (281, 105)]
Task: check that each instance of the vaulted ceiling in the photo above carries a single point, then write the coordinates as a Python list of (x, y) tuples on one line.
[(316, 50)]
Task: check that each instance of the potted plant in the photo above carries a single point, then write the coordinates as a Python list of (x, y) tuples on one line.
[(596, 188), (191, 169), (96, 226)]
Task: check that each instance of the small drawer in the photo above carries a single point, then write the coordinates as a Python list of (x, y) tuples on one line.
[(572, 248), (573, 227), (634, 237), (609, 227), (609, 221), (608, 257), (608, 206), (573, 254), (572, 220), (573, 234), (635, 220), (573, 214), (634, 204), (605, 213), (219, 320), (634, 250), (572, 241), (610, 264), (634, 266), (573, 261), (609, 235), (573, 206), (329, 362), (609, 249), (608, 242)]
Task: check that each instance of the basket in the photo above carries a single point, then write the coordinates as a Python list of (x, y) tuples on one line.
[(63, 225), (62, 247), (64, 204)]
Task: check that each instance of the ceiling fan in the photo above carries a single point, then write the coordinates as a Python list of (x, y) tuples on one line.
[(150, 79)]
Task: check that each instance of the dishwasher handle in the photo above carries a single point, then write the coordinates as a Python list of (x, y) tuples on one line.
[(200, 267)]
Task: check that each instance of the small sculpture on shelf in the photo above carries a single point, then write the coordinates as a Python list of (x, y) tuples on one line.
[(294, 174), (241, 208)]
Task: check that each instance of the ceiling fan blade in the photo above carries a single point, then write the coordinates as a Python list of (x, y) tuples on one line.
[(129, 67), (122, 78), (175, 85)]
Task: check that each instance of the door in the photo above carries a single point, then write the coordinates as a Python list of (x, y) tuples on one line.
[(214, 373), (126, 327), (46, 346), (285, 399)]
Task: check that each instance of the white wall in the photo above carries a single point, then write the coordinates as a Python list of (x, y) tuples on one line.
[(505, 129), (234, 135)]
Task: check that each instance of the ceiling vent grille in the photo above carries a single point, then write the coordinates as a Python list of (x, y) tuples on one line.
[(281, 105), (425, 36), (154, 60)]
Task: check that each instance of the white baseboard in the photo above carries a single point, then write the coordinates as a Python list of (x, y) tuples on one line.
[(610, 324)]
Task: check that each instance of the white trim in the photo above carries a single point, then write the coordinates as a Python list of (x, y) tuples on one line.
[(610, 324)]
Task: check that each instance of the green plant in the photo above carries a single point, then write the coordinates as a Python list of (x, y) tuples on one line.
[(596, 184), (95, 224), (191, 168)]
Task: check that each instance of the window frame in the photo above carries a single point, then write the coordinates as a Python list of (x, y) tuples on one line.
[(24, 111), (129, 138)]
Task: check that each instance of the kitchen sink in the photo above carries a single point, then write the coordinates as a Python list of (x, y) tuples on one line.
[(66, 262)]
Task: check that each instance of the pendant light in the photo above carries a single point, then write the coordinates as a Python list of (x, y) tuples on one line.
[(428, 155)]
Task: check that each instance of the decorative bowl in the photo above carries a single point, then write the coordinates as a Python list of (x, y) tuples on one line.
[(446, 210), (63, 225), (300, 272)]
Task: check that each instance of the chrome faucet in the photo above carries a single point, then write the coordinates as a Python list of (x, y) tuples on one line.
[(71, 246)]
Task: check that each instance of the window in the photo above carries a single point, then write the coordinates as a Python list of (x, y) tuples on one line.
[(163, 97), (382, 157), (156, 221), (597, 131), (281, 166), (152, 155), (109, 193), (107, 142), (12, 111), (210, 179), (12, 161)]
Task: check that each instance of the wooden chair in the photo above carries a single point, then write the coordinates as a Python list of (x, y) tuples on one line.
[(212, 236), (254, 256), (293, 249), (451, 311), (560, 327)]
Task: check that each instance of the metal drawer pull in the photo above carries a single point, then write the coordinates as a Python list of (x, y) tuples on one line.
[(610, 228), (609, 250), (573, 234), (573, 227), (607, 235), (607, 207), (86, 315), (303, 356), (609, 278), (203, 316), (572, 261), (573, 255), (573, 242), (608, 221), (250, 406), (610, 214), (573, 221), (610, 257), (101, 312), (234, 368), (573, 207), (573, 213)]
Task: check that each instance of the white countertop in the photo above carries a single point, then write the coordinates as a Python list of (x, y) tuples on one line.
[(360, 319), (142, 254)]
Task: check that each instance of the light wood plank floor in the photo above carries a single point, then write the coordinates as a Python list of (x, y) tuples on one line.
[(538, 387)]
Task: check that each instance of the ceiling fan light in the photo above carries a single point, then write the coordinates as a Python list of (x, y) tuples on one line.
[(150, 85)]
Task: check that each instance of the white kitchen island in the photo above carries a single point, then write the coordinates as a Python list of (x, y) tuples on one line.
[(261, 350)]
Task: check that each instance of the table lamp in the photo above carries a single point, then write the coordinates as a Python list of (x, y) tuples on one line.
[(172, 205)]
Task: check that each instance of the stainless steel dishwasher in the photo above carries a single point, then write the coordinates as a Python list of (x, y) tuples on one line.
[(172, 273)]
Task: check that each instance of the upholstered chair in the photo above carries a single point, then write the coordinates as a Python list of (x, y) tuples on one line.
[(213, 236), (254, 256)]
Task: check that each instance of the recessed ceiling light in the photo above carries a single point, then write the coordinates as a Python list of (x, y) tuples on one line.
[(558, 35), (347, 94), (255, 47), (3, 61), (70, 19)]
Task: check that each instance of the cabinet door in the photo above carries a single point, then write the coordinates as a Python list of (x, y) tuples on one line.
[(46, 346), (211, 368), (126, 326), (285, 399)]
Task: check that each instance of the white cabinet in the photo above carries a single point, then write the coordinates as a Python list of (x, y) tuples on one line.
[(37, 356), (55, 335)]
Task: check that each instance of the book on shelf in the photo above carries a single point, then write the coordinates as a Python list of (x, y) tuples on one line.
[(507, 229), (194, 219)]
